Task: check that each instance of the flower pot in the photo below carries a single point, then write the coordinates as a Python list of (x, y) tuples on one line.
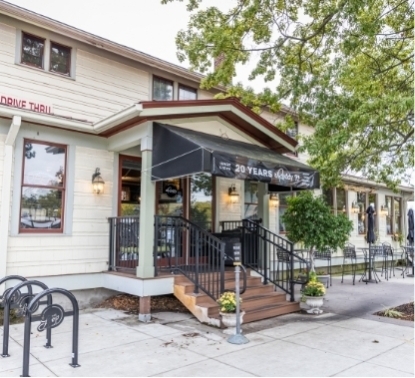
[(315, 303), (229, 321)]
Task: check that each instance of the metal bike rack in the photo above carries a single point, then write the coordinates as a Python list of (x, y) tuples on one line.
[(14, 298), (51, 317), (9, 278)]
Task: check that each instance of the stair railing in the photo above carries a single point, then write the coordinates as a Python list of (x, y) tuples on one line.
[(182, 247), (273, 257)]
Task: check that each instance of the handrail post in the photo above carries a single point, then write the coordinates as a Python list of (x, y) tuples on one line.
[(292, 273), (222, 268), (265, 258), (197, 250), (111, 245), (156, 233)]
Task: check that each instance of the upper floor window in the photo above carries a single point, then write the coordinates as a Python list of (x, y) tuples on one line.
[(43, 187), (60, 59), (162, 89), (187, 93), (292, 132), (33, 49)]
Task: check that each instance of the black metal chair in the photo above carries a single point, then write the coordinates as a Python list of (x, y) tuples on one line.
[(325, 255), (349, 252), (389, 253), (378, 251), (409, 258)]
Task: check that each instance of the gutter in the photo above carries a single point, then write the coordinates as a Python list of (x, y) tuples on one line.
[(52, 120)]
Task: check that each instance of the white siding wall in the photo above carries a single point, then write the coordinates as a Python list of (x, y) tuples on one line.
[(100, 88), (2, 140), (86, 249)]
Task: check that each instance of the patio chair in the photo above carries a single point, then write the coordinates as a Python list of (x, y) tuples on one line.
[(389, 253), (349, 252), (409, 258), (325, 255)]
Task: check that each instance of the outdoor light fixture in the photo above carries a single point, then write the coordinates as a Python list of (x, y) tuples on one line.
[(344, 209), (274, 199), (384, 210), (355, 208), (233, 194), (97, 182)]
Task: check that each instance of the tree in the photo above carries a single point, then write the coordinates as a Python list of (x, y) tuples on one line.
[(345, 66), (309, 220)]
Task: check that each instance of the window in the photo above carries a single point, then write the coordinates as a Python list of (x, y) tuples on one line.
[(292, 132), (361, 216), (187, 93), (60, 59), (281, 210), (328, 195), (162, 89), (341, 201), (200, 211), (251, 200), (32, 50), (397, 215), (389, 219), (43, 187)]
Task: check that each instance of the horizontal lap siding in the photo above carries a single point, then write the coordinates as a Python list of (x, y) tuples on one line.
[(101, 86), (86, 250)]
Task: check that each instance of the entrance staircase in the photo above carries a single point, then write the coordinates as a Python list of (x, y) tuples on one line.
[(259, 301), (267, 277)]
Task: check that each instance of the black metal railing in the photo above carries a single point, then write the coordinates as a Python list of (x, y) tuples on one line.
[(230, 225), (273, 257), (180, 246), (124, 240)]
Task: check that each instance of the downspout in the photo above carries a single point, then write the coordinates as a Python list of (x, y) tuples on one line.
[(6, 192)]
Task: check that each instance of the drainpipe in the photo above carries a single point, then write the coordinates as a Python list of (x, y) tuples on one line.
[(6, 192)]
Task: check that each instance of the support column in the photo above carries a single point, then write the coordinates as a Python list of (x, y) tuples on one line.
[(145, 267), (6, 187), (145, 309), (263, 203)]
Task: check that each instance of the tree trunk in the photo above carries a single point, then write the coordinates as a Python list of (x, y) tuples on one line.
[(311, 254)]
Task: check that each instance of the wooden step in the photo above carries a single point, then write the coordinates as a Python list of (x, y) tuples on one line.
[(270, 311), (251, 281)]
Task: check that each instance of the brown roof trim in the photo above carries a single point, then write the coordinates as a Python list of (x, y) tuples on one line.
[(228, 101)]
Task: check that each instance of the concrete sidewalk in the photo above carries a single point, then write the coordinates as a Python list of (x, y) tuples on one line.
[(115, 344)]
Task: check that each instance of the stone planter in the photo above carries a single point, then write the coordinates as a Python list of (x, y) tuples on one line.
[(315, 303), (229, 321)]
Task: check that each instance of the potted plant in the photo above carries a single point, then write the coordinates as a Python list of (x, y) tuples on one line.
[(227, 311), (313, 293), (309, 220)]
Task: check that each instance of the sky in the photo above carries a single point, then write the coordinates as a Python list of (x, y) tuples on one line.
[(145, 25)]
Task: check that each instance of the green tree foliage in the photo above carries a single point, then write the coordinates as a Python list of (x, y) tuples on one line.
[(346, 67), (309, 220)]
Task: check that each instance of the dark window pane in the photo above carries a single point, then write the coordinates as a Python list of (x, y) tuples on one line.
[(341, 200), (60, 59), (388, 204), (281, 210), (44, 165), (328, 197), (162, 89), (32, 50), (397, 214), (361, 218), (201, 200), (186, 93), (41, 208)]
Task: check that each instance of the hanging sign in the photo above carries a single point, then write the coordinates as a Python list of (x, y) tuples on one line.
[(243, 168), (171, 191), (33, 106)]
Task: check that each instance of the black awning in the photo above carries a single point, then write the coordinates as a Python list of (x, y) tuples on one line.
[(181, 152)]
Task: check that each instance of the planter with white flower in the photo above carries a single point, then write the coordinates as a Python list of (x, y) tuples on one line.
[(227, 311)]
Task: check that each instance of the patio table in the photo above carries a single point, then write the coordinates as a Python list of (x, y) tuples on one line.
[(369, 254)]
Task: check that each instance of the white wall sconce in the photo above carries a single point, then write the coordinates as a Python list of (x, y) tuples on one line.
[(97, 182), (233, 194), (384, 210), (274, 199), (355, 208)]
